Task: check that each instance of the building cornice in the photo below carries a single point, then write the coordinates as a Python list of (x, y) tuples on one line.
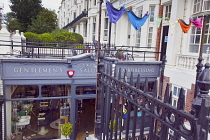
[(77, 19)]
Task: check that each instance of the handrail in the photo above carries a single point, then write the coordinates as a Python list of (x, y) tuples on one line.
[(64, 49)]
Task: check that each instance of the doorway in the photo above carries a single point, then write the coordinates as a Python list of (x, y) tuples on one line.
[(164, 42), (85, 117)]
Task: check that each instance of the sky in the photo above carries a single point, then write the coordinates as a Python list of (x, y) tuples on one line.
[(49, 4)]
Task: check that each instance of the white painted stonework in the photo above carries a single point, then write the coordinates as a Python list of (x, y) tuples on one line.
[(5, 35)]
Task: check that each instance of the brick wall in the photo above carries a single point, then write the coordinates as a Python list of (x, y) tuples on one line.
[(189, 98), (165, 81), (189, 93), (160, 14)]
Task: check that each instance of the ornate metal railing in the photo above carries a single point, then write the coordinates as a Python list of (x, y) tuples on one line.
[(62, 50), (129, 109)]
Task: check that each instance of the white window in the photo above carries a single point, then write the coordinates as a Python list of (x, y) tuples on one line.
[(78, 29), (138, 32), (79, 9), (206, 5), (197, 6), (94, 29), (85, 29), (106, 26), (149, 41), (138, 37), (168, 11), (201, 5), (195, 37), (151, 11), (74, 15), (175, 96)]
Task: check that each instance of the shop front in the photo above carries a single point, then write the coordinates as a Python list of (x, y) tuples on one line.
[(40, 95)]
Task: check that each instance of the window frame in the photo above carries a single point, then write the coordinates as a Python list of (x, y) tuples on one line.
[(152, 12), (195, 37), (197, 4), (106, 19), (168, 11), (175, 96), (200, 5), (139, 13), (149, 38), (94, 28)]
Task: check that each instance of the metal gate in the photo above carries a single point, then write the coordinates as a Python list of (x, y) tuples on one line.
[(129, 109)]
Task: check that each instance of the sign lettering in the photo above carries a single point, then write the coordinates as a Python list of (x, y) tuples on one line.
[(37, 70)]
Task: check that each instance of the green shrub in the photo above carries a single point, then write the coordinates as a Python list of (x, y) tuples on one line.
[(46, 37), (31, 36), (63, 36), (78, 38)]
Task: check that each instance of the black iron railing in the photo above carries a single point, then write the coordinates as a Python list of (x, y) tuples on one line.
[(62, 50), (130, 109)]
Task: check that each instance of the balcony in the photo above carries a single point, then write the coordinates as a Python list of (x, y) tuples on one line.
[(189, 62), (80, 18)]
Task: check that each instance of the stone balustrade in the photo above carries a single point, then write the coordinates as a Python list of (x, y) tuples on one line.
[(189, 61)]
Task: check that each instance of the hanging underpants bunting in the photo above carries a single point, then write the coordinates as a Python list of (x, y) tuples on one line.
[(136, 21), (185, 27), (172, 26), (113, 13), (197, 22), (158, 21)]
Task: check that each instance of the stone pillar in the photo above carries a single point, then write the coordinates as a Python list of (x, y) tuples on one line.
[(5, 37), (17, 48), (23, 42), (82, 29), (172, 50)]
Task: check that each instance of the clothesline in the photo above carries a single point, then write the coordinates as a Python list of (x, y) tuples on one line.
[(115, 14)]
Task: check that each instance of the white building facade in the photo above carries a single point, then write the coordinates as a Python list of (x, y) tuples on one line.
[(181, 49)]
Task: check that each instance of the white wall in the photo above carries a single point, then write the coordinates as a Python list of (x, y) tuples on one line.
[(174, 42)]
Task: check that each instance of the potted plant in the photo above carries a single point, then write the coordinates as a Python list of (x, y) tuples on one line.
[(29, 109), (67, 129)]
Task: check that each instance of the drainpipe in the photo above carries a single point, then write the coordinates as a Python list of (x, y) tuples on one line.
[(98, 105)]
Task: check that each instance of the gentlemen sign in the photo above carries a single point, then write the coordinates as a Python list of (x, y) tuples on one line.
[(48, 70), (36, 70)]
